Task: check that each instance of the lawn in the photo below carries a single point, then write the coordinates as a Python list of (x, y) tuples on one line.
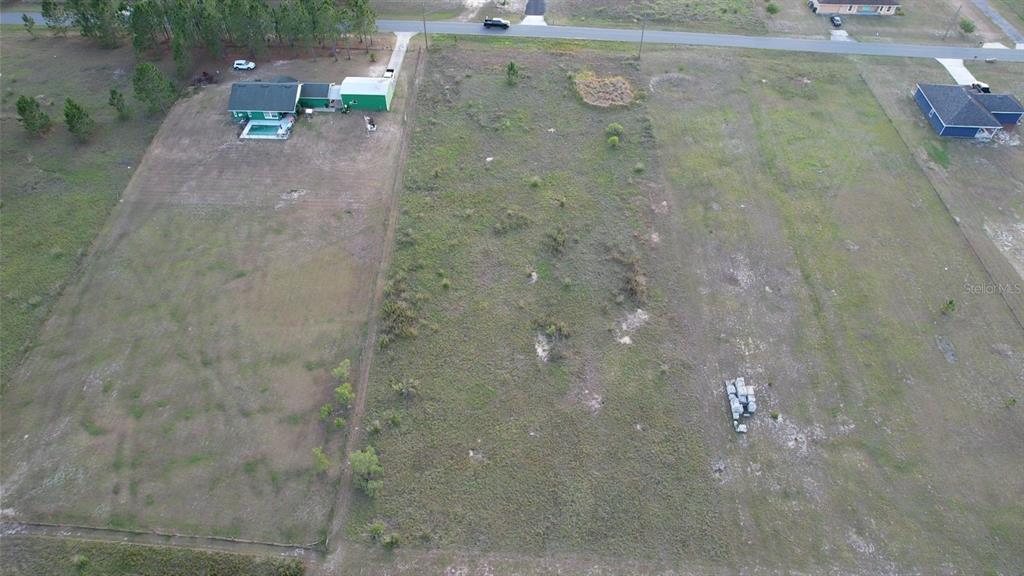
[(180, 380), (42, 556), (784, 232), (57, 191)]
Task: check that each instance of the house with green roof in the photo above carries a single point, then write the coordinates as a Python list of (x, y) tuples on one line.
[(263, 100)]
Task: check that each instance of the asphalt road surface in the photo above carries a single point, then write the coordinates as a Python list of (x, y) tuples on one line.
[(680, 38)]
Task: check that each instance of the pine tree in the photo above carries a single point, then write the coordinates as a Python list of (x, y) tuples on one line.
[(152, 87), (117, 102), (56, 17), (77, 119), (182, 57), (31, 116), (30, 24)]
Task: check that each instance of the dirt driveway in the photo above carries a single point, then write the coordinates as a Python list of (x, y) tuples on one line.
[(178, 382)]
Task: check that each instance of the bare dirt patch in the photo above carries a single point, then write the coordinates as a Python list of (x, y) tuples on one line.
[(604, 92)]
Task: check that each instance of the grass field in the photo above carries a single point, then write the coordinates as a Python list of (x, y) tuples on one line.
[(713, 15), (179, 382), (57, 192), (923, 21), (501, 449), (42, 556), (814, 261), (1013, 9)]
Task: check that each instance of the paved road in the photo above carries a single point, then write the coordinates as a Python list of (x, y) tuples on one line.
[(1003, 23), (681, 38), (703, 39)]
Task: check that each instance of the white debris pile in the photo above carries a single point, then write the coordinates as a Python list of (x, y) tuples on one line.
[(742, 402)]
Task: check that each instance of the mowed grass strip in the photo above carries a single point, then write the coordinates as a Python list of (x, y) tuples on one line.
[(57, 192), (43, 556), (593, 450)]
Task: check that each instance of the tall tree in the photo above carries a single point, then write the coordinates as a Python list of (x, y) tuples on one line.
[(31, 116), (362, 19), (182, 57), (326, 21), (152, 87), (96, 19), (145, 24), (56, 17), (212, 28), (77, 119)]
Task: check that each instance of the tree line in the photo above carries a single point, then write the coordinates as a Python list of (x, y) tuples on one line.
[(211, 24)]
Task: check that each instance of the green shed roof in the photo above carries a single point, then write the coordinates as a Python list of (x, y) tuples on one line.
[(315, 90)]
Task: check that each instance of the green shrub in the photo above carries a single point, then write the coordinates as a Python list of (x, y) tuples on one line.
[(968, 26), (772, 8), (320, 462), (406, 387), (367, 470), (558, 239), (614, 129), (339, 422), (342, 372), (613, 141), (391, 541), (31, 116), (376, 530), (512, 73), (344, 394), (325, 412), (949, 307), (118, 103)]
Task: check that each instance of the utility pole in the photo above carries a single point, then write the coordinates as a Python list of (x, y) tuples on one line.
[(423, 11), (953, 21), (643, 28)]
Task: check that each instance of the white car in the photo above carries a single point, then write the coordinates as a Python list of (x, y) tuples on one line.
[(243, 65)]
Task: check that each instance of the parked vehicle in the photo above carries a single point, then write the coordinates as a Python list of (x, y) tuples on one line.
[(837, 22), (496, 23), (243, 65)]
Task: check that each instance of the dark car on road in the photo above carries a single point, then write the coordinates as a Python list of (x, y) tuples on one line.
[(496, 23)]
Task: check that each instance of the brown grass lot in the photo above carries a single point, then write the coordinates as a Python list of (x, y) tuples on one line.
[(799, 243), (787, 211), (925, 21), (178, 381)]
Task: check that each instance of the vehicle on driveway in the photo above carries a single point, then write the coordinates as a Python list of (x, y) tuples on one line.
[(837, 22), (496, 23), (243, 65)]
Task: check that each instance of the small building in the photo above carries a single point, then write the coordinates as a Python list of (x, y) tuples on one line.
[(315, 95), (263, 100), (360, 93), (967, 112), (843, 7)]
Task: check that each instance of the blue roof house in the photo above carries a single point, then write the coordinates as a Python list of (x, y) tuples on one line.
[(966, 112)]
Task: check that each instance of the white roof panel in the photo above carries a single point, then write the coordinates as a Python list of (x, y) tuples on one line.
[(362, 85)]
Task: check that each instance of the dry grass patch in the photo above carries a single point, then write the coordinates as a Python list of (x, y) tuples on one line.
[(603, 92)]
